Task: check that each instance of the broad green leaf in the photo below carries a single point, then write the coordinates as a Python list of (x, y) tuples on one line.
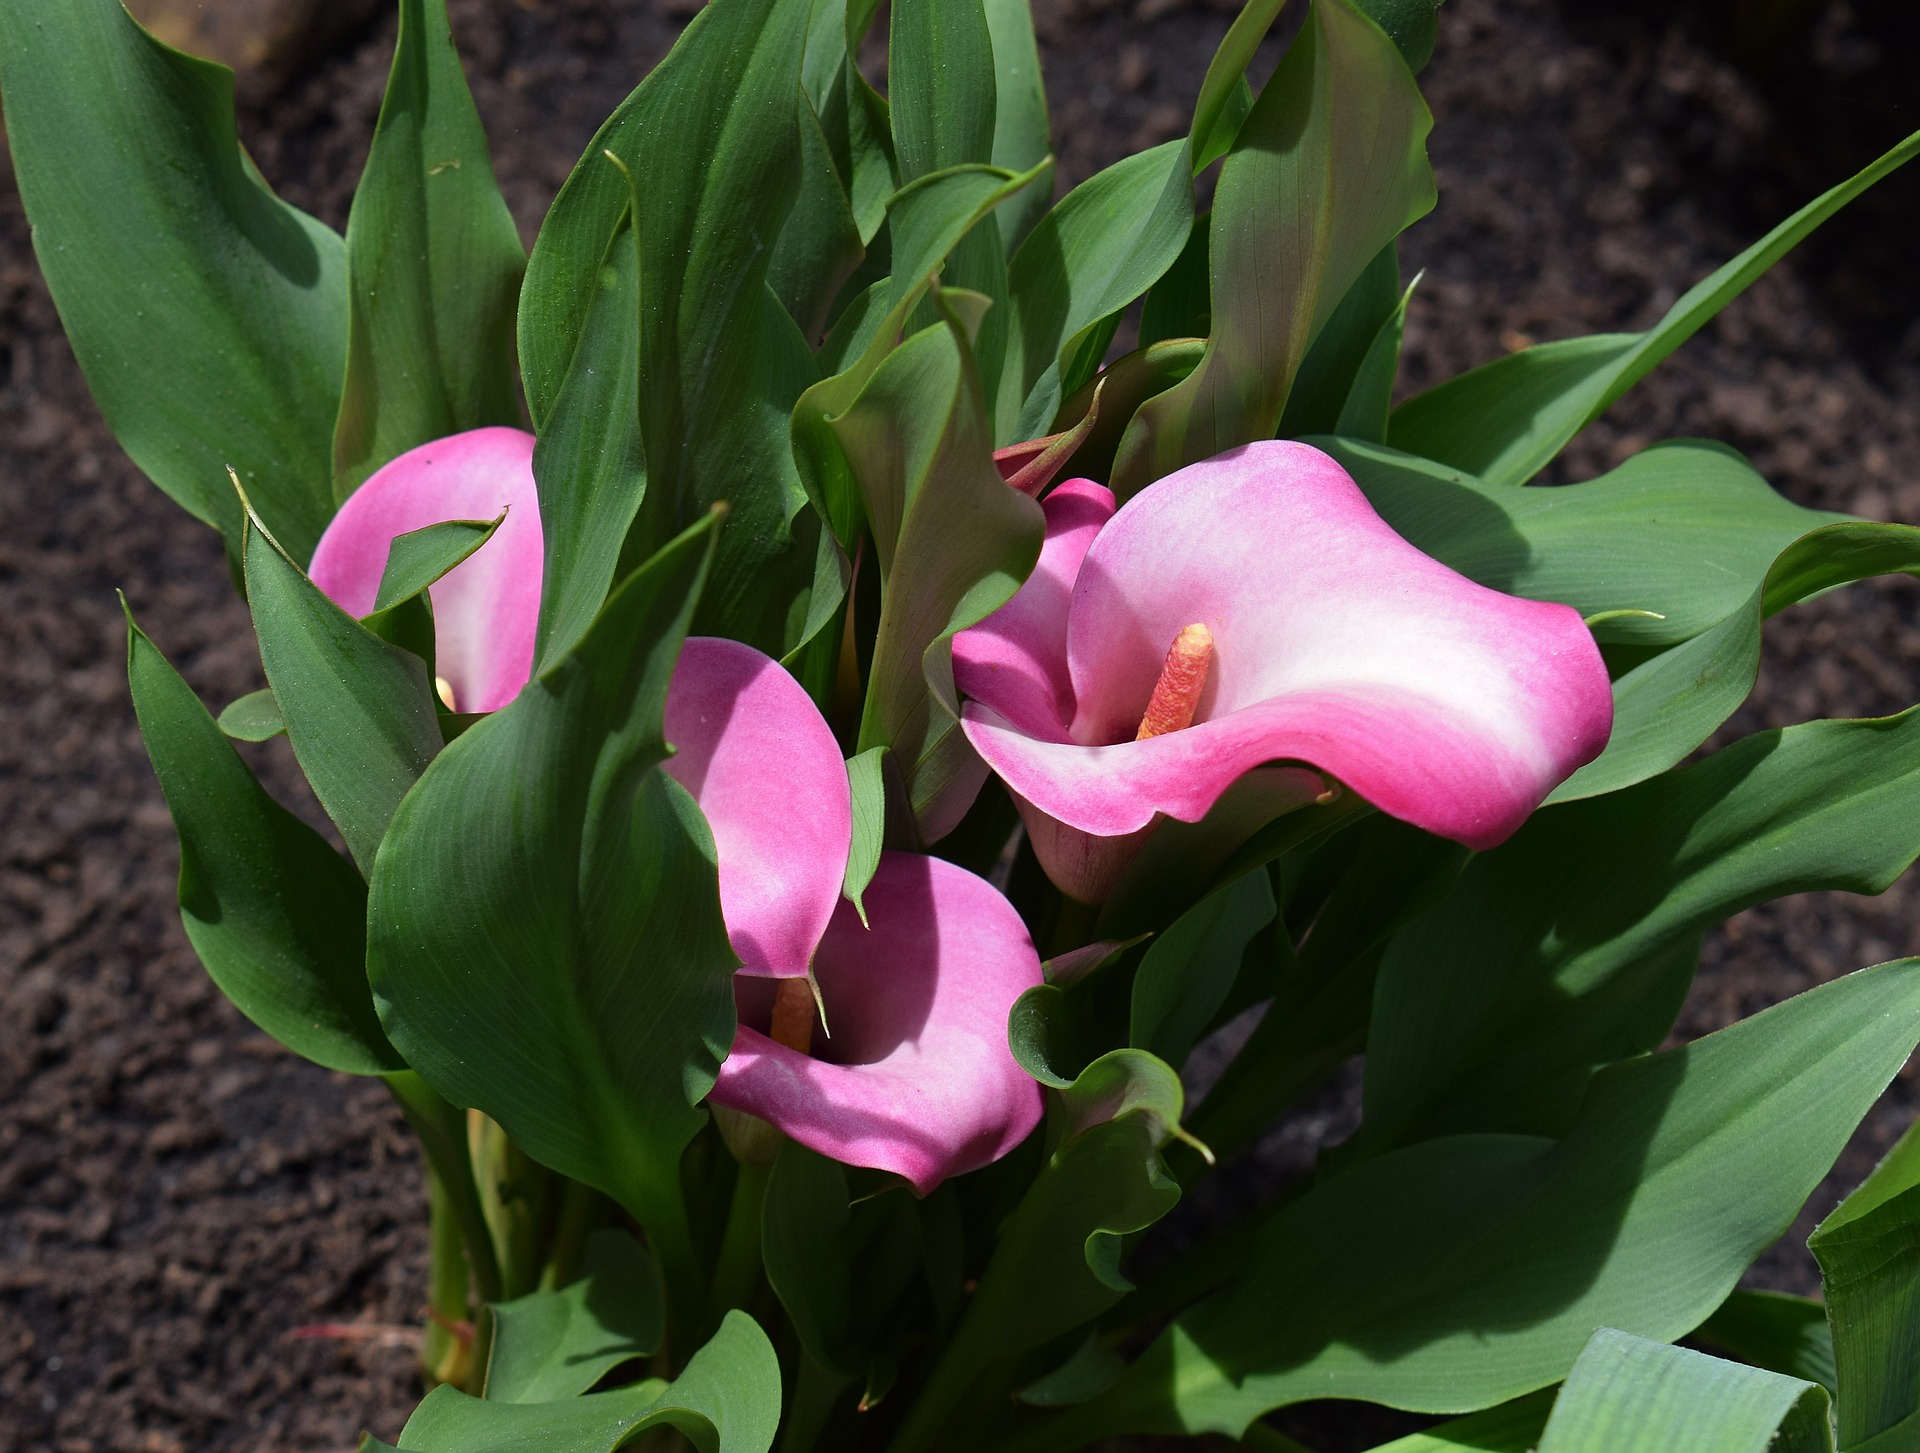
[(1505, 420), (952, 543), (820, 245), (1869, 1259), (1665, 707), (1328, 168), (545, 939), (209, 317), (1629, 1395), (1510, 1428), (418, 558), (1189, 970), (712, 143), (1328, 372), (277, 916), (1468, 1270), (254, 717), (852, 115), (359, 710), (588, 463), (433, 266), (1776, 1331), (552, 1345), (727, 1400), (866, 775), (1093, 1368), (1687, 530), (1492, 1010), (1020, 132), (1105, 244)]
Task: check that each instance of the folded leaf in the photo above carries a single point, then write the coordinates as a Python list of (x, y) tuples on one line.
[(277, 916), (433, 266), (551, 1345), (1629, 1395)]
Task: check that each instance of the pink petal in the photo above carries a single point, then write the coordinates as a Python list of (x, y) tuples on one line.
[(922, 1082), (755, 753), (486, 609), (1016, 657), (1336, 643)]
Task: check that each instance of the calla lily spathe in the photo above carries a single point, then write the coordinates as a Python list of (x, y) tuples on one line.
[(1334, 644), (911, 1072), (486, 609)]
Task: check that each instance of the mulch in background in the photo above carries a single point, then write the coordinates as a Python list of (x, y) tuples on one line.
[(177, 1194)]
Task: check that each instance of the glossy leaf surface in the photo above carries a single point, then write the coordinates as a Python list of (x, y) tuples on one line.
[(552, 1345)]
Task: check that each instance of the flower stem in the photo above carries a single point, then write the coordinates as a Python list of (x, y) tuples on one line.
[(582, 1212), (736, 1277), (442, 1129), (444, 1353)]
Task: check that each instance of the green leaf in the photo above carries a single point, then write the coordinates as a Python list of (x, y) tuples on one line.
[(1189, 970), (557, 1344), (944, 96), (820, 245), (1464, 1271), (1626, 1394), (1686, 529), (418, 558), (1667, 706), (1329, 167), (1781, 1333), (726, 1401), (952, 542), (1364, 414), (1492, 1010), (433, 266), (806, 1246), (1124, 386), (1020, 131), (712, 144), (1510, 1428), (926, 219), (1219, 110), (254, 717), (277, 917), (1178, 306), (1505, 420), (209, 317), (1332, 365), (1057, 1261), (1106, 243), (588, 463), (545, 858), (1412, 25), (1869, 1260), (866, 775), (359, 710)]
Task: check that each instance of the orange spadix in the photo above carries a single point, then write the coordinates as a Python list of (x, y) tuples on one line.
[(1176, 695), (793, 1015)]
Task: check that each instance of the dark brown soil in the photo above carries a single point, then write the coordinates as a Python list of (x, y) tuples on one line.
[(177, 1195)]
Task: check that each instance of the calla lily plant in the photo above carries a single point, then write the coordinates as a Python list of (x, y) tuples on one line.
[(859, 807)]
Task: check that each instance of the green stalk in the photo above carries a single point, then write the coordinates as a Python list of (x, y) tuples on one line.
[(736, 1276), (661, 1211), (814, 1394), (582, 1212), (444, 1355), (442, 1130)]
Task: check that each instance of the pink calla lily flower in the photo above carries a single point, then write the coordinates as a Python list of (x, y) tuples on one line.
[(1254, 608), (486, 609), (910, 1072)]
